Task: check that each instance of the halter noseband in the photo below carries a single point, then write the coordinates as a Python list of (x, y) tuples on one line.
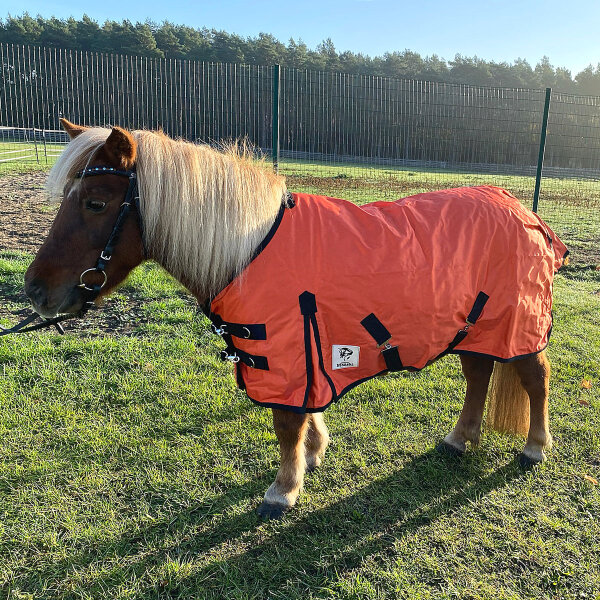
[(91, 291)]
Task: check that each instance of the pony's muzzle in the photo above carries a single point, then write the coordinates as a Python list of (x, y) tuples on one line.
[(49, 303), (37, 292)]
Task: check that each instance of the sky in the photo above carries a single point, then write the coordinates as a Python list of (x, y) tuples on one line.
[(499, 30)]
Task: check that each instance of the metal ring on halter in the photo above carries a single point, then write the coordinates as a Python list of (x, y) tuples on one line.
[(248, 332), (83, 285)]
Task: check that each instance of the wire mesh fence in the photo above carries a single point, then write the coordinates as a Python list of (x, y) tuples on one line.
[(392, 136), (359, 137)]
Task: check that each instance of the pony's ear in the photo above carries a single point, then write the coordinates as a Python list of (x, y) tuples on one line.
[(121, 147), (72, 129)]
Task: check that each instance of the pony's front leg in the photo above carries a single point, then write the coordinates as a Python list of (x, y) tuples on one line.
[(290, 429)]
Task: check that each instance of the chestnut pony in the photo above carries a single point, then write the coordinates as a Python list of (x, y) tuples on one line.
[(203, 213)]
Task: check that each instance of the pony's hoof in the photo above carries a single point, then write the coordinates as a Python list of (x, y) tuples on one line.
[(313, 464), (448, 449), (268, 510), (527, 462)]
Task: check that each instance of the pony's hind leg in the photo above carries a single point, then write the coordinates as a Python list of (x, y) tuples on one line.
[(534, 373), (290, 429), (477, 371), (317, 440)]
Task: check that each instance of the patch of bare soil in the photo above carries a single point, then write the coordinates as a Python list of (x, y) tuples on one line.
[(25, 215)]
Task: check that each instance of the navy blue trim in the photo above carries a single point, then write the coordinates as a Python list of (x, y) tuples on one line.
[(308, 309), (317, 338), (507, 360), (305, 302), (303, 410), (271, 233), (355, 383), (497, 358), (335, 398), (263, 244)]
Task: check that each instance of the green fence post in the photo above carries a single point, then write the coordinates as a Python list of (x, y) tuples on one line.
[(540, 165), (275, 121)]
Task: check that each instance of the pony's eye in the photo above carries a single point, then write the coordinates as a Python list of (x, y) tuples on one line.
[(96, 206)]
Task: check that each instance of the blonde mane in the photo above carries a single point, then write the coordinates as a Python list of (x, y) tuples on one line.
[(204, 212)]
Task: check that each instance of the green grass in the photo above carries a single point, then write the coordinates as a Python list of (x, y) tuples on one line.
[(130, 466), (18, 156)]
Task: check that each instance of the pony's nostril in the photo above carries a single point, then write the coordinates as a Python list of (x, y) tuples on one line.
[(36, 291)]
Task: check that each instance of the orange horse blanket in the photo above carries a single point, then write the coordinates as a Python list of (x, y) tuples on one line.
[(339, 293)]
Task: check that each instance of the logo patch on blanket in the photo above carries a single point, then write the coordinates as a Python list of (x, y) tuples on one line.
[(343, 357)]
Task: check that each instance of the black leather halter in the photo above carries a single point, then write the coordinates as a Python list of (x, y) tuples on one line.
[(90, 291)]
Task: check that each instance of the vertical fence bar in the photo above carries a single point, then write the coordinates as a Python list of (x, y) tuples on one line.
[(275, 118), (540, 165)]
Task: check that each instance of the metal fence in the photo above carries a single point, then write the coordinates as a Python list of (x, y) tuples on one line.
[(359, 137)]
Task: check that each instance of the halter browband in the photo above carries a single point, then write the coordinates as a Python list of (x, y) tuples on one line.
[(91, 291)]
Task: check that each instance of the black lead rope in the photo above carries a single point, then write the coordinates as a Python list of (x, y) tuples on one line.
[(22, 326), (90, 291)]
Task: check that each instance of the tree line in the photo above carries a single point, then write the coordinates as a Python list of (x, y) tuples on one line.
[(168, 40)]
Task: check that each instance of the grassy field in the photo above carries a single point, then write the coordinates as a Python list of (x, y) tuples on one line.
[(17, 156), (130, 467)]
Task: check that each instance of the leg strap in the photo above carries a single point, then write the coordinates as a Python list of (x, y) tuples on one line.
[(390, 353)]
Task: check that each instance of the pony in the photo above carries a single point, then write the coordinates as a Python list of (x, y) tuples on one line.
[(202, 214)]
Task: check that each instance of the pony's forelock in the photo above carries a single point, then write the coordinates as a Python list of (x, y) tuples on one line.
[(76, 156)]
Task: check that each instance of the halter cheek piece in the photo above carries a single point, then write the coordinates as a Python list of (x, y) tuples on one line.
[(131, 198), (91, 290)]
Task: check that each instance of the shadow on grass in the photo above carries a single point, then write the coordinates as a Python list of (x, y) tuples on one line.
[(308, 549), (339, 537)]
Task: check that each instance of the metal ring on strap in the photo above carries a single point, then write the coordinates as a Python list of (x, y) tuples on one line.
[(83, 285)]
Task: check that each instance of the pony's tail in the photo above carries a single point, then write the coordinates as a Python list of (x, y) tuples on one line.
[(508, 402)]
